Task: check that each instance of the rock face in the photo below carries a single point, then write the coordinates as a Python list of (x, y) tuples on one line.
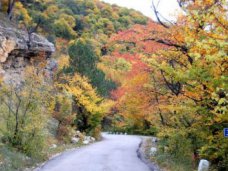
[(18, 49)]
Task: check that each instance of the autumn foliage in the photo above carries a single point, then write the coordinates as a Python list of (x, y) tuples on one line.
[(177, 80), (152, 78)]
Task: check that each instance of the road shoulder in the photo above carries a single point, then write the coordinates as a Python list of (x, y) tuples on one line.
[(143, 154)]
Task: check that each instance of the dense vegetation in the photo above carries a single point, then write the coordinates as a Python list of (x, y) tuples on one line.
[(173, 82), (37, 114), (118, 69)]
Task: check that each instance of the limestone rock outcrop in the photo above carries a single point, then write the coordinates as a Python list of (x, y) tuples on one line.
[(18, 49)]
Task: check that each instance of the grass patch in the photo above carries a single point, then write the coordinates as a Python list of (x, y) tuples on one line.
[(165, 161), (169, 163), (61, 148), (12, 160)]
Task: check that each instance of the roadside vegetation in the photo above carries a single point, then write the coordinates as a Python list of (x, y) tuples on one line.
[(41, 118), (119, 71), (172, 81)]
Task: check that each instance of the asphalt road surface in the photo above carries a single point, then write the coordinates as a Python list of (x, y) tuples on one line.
[(113, 153)]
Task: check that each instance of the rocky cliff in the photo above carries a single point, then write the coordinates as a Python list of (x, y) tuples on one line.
[(18, 50)]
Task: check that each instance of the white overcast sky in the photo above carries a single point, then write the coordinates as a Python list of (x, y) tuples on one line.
[(168, 8)]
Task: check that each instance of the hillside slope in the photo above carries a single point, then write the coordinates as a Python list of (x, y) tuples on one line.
[(91, 21)]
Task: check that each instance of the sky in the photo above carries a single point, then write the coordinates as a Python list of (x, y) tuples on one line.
[(168, 8)]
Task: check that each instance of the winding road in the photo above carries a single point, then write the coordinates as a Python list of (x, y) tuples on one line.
[(113, 153)]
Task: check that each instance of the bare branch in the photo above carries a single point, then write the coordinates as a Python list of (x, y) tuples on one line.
[(157, 100), (157, 15), (175, 87), (27, 106)]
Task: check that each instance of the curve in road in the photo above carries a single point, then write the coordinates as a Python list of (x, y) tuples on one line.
[(113, 153)]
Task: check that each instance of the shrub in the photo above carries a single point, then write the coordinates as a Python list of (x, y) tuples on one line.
[(176, 150), (24, 111)]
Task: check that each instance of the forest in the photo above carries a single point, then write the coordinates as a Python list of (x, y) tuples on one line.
[(119, 71)]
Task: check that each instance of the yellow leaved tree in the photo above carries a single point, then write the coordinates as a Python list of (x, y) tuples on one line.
[(87, 105)]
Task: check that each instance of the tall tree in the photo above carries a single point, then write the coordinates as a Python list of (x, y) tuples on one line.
[(188, 64)]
